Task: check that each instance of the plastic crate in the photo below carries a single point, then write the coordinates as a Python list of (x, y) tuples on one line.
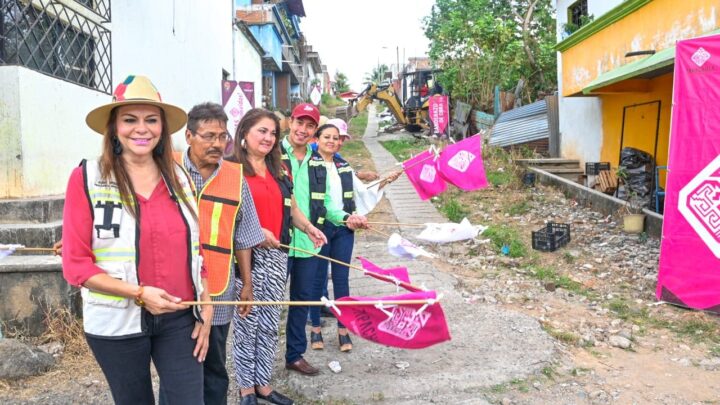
[(594, 168), (551, 237)]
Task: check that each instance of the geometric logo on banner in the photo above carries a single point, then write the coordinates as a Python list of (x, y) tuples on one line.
[(428, 173), (699, 204), (461, 161), (700, 57)]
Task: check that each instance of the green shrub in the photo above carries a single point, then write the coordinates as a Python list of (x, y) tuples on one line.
[(503, 235), (453, 210)]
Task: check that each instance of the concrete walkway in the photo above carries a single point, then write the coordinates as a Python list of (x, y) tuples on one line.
[(489, 346)]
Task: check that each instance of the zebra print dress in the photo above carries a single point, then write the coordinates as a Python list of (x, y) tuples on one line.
[(255, 337)]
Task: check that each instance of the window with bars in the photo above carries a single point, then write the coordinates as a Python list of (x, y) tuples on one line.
[(578, 13), (53, 37)]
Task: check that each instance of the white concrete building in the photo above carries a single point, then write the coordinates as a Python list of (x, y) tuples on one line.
[(581, 128), (59, 59), (247, 59)]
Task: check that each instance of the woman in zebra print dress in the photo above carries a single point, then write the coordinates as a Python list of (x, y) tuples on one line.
[(257, 148)]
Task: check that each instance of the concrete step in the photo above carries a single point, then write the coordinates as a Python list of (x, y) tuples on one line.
[(562, 170), (32, 210), (574, 177), (31, 235), (551, 162)]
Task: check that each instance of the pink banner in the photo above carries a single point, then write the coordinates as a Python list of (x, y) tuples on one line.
[(461, 164), (237, 99), (689, 272), (423, 175), (439, 113), (407, 326)]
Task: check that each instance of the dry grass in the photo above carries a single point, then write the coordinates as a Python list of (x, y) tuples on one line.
[(66, 328)]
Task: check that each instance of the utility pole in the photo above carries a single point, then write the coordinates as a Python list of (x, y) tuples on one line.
[(397, 60)]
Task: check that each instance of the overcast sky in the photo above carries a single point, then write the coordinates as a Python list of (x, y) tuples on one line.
[(350, 34)]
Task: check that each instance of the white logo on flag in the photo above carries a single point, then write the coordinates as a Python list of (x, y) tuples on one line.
[(699, 204), (461, 161), (700, 57), (428, 173), (404, 322)]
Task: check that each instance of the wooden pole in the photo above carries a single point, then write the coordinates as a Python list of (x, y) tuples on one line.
[(396, 224), (28, 249), (322, 257), (377, 275), (311, 303), (379, 232)]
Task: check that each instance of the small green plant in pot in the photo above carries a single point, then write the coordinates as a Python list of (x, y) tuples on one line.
[(633, 218)]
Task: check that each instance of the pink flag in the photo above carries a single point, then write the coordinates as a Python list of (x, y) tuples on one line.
[(407, 326), (400, 273), (397, 275), (423, 175), (461, 164), (690, 250)]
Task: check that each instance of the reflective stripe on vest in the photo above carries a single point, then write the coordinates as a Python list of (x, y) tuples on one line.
[(346, 180), (317, 175), (286, 191), (219, 202)]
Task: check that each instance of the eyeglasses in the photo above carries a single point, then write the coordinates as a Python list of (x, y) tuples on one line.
[(212, 138)]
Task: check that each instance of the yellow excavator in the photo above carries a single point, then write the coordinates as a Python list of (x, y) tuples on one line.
[(413, 113)]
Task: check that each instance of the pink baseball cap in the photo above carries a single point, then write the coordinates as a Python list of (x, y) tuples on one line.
[(341, 126), (306, 110)]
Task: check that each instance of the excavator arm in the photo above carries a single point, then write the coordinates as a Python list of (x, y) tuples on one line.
[(385, 94)]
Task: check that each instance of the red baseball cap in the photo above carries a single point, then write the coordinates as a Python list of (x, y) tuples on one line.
[(306, 110)]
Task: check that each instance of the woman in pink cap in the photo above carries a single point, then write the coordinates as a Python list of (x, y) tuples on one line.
[(347, 193)]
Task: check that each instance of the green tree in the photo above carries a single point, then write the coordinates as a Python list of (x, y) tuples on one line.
[(377, 75), (483, 43), (341, 82)]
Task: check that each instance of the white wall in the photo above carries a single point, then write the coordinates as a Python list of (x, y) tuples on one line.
[(183, 51), (248, 65), (10, 150), (50, 116), (581, 131)]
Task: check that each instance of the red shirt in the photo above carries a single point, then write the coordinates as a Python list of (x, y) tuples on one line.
[(268, 202), (162, 237)]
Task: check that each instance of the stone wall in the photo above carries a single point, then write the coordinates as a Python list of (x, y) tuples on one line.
[(29, 285)]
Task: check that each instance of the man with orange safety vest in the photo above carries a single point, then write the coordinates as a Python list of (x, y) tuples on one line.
[(229, 228)]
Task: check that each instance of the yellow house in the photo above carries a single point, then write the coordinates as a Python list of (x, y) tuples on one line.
[(615, 72)]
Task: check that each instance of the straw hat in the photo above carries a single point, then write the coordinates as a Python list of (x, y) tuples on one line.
[(136, 89)]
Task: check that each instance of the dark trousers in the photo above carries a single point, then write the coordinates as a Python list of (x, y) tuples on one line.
[(215, 374), (302, 277), (339, 247), (167, 342)]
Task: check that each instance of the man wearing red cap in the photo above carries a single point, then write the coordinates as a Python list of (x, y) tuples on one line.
[(310, 186)]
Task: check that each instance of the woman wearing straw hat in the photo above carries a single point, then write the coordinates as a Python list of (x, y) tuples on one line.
[(130, 240), (257, 148)]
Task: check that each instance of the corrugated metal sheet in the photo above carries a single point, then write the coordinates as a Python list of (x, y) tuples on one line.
[(521, 125)]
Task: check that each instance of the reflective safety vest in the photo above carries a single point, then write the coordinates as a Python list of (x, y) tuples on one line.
[(115, 244), (346, 180), (317, 175), (219, 202), (286, 228)]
